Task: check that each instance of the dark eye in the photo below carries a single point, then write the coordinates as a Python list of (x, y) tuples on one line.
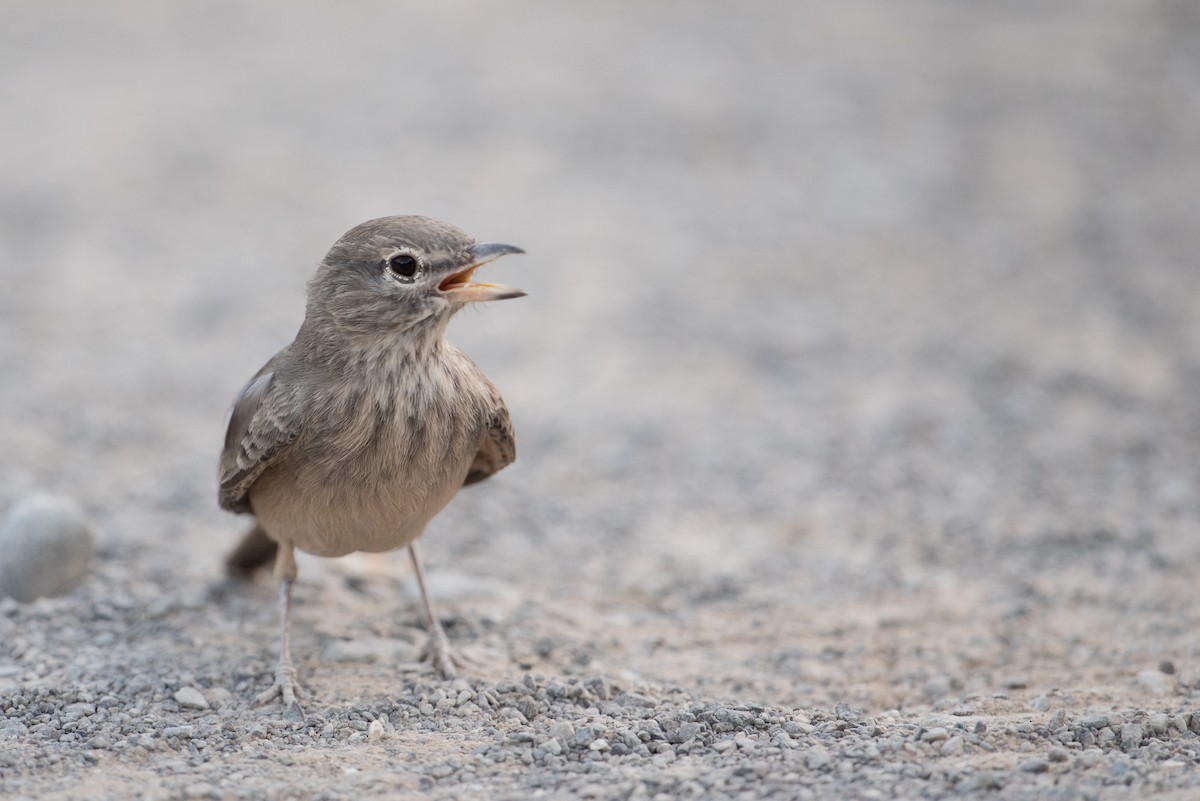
[(403, 265)]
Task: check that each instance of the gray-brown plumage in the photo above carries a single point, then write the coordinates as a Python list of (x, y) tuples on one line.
[(355, 435)]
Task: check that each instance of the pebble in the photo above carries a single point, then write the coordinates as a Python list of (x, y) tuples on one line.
[(13, 729), (1153, 681), (1132, 735), (707, 749), (816, 758), (636, 700), (983, 780), (936, 734), (45, 548), (1057, 754), (687, 731), (562, 731), (191, 698)]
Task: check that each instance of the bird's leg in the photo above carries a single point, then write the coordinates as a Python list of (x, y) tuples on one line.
[(437, 649), (286, 687)]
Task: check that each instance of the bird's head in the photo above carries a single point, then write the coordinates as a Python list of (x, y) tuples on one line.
[(390, 274)]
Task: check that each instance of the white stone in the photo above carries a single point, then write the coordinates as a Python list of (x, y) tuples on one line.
[(191, 698), (45, 548)]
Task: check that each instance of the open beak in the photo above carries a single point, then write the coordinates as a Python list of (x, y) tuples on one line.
[(459, 288)]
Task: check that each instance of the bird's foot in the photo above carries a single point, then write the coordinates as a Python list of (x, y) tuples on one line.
[(439, 657), (287, 688)]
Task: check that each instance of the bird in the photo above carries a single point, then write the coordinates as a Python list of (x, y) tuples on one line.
[(355, 435)]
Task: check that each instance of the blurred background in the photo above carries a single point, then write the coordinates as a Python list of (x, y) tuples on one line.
[(861, 352)]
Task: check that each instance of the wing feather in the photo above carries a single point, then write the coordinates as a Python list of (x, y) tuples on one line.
[(263, 424), (499, 447)]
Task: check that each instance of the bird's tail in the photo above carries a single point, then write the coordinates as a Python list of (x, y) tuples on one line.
[(254, 551)]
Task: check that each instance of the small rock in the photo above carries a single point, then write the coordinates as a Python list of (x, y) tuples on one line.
[(599, 744), (938, 687), (1094, 722), (797, 728), (636, 699), (953, 746), (663, 758), (1158, 724), (934, 735), (1035, 766), (847, 713), (375, 731), (1042, 703), (783, 740), (686, 732), (562, 731), (1153, 682), (13, 729), (191, 698), (1132, 735), (45, 548), (983, 780), (1057, 754), (816, 758), (599, 687), (1167, 666)]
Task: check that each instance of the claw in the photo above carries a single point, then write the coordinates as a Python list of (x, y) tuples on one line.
[(287, 688), (439, 656)]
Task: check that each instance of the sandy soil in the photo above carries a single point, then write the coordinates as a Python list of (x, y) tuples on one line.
[(855, 392)]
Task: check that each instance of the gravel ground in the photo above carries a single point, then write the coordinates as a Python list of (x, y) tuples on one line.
[(855, 389)]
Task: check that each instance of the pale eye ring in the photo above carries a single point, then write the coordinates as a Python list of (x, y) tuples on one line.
[(403, 266)]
